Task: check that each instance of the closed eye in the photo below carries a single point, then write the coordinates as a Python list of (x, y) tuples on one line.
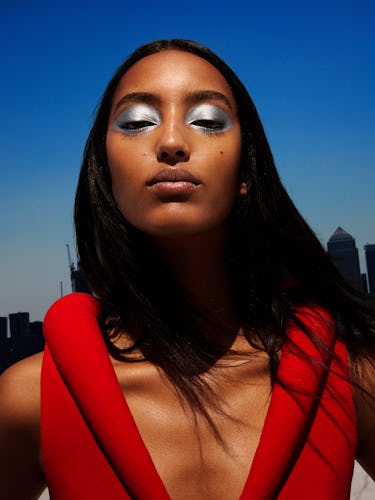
[(137, 119), (136, 125), (208, 124), (208, 118)]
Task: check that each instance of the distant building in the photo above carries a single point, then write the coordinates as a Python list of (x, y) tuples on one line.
[(5, 354), (3, 327), (4, 344), (27, 345), (36, 328), (344, 254), (78, 281), (19, 324), (370, 262), (25, 339)]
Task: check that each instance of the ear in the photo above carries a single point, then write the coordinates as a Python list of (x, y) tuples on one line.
[(243, 189)]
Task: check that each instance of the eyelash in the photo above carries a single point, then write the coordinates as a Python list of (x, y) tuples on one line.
[(208, 126), (136, 125)]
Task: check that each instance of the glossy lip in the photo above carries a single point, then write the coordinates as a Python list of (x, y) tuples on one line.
[(173, 184), (173, 174)]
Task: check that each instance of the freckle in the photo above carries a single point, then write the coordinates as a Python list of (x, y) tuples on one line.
[(221, 152)]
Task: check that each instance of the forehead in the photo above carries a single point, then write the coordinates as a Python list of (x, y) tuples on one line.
[(173, 72)]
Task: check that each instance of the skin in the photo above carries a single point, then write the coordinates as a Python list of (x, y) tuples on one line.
[(209, 155), (188, 230)]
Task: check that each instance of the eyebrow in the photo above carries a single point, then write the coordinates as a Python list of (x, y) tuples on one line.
[(191, 98), (207, 95), (145, 97)]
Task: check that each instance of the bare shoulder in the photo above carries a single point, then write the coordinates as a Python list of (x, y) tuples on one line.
[(364, 400), (20, 389), (21, 475)]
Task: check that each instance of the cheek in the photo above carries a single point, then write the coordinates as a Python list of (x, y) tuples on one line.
[(122, 164), (227, 165)]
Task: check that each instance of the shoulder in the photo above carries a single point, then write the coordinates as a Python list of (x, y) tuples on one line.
[(21, 475), (72, 303), (20, 390), (312, 329), (72, 321), (73, 309), (364, 401)]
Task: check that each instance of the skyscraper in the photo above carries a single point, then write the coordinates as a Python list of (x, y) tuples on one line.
[(3, 327), (19, 324), (25, 339), (4, 344), (344, 254), (78, 281), (370, 261)]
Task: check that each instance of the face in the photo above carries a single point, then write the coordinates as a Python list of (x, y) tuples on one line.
[(174, 145)]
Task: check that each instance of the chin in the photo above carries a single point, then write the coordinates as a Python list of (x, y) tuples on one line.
[(177, 222), (176, 230), (183, 228)]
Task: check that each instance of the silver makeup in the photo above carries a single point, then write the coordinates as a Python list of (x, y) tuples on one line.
[(136, 119), (208, 118)]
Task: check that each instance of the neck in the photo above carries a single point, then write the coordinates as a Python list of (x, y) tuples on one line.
[(198, 264)]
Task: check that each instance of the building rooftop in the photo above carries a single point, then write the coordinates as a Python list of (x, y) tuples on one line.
[(341, 235)]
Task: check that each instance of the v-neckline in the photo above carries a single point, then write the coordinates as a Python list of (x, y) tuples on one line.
[(102, 401), (247, 486)]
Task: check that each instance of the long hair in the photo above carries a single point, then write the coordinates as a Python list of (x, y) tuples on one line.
[(275, 262)]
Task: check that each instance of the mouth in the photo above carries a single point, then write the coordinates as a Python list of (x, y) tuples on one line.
[(173, 184), (173, 175)]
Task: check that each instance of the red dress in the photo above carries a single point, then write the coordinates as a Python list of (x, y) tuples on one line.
[(92, 449)]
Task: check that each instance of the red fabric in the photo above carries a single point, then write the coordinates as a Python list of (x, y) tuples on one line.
[(91, 447)]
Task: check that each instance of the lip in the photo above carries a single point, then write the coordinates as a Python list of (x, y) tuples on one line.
[(173, 175), (173, 184)]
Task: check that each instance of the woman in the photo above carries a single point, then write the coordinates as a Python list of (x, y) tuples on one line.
[(220, 357)]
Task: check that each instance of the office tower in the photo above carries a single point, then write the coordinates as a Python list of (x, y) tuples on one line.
[(4, 345), (25, 337), (344, 254), (3, 327), (78, 281), (36, 328), (370, 262), (19, 324)]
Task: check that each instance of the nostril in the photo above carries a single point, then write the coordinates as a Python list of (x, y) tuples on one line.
[(180, 153), (164, 155)]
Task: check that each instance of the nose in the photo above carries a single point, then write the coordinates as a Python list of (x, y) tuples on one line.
[(172, 147)]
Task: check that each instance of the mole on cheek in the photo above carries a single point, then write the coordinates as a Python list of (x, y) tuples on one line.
[(221, 152)]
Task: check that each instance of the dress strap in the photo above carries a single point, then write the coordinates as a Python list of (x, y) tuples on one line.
[(81, 357)]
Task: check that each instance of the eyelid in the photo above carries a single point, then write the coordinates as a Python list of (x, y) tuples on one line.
[(127, 120), (209, 112), (136, 113)]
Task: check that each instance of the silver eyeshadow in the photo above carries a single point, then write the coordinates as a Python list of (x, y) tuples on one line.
[(137, 118), (209, 118), (143, 118)]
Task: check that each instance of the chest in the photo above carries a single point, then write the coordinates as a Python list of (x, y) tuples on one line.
[(94, 447), (193, 453)]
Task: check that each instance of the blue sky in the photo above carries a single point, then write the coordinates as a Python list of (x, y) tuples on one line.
[(309, 67)]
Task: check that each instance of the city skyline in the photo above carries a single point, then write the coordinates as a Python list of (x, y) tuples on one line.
[(78, 284), (308, 67), (20, 337)]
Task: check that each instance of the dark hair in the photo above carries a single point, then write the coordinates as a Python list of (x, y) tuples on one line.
[(275, 262)]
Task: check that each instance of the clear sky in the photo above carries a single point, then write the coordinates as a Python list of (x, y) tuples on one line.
[(309, 66)]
